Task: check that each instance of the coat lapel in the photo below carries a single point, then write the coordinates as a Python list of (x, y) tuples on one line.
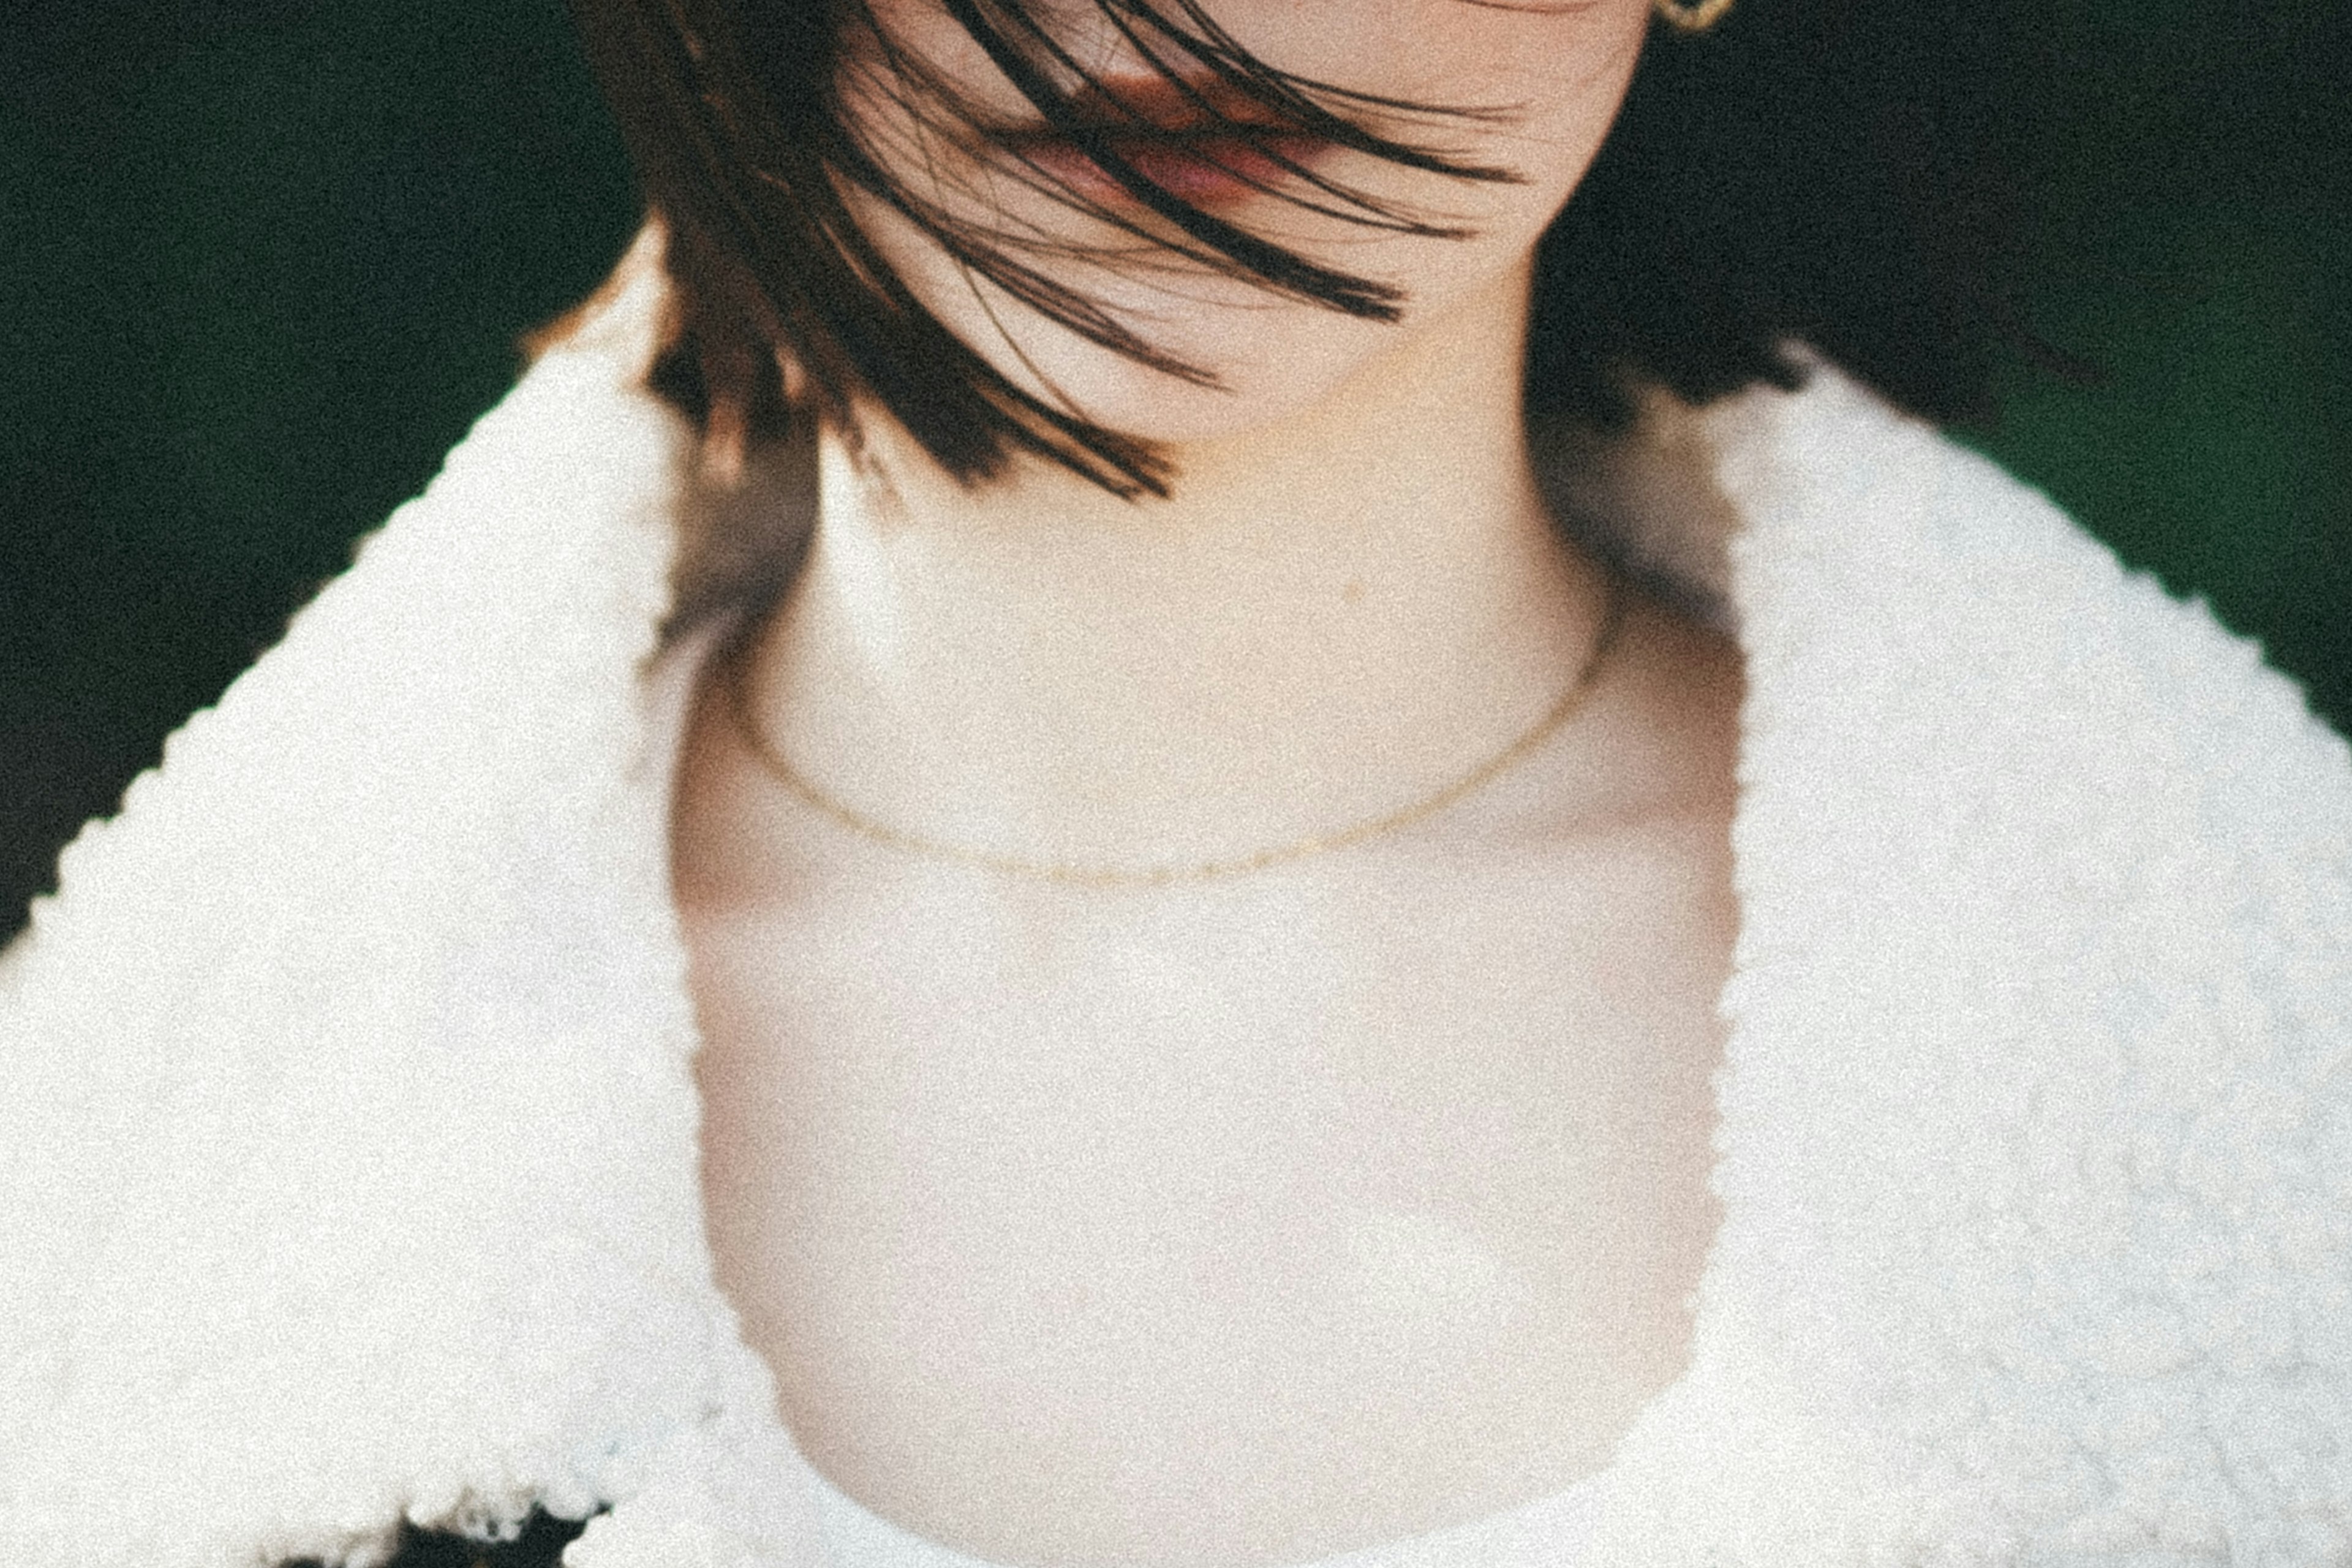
[(352, 1062), (2043, 980)]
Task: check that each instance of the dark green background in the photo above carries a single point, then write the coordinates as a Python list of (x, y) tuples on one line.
[(260, 263)]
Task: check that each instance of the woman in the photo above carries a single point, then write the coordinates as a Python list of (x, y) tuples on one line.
[(1185, 978)]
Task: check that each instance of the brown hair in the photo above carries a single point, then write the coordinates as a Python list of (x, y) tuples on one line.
[(1769, 182)]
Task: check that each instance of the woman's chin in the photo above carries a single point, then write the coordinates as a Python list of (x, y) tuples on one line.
[(1176, 415), (1258, 388)]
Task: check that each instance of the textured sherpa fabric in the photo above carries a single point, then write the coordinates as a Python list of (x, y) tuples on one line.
[(348, 1156)]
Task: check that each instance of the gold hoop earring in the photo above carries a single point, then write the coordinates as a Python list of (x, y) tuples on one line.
[(1693, 15)]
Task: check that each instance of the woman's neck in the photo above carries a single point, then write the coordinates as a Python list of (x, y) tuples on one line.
[(1335, 615)]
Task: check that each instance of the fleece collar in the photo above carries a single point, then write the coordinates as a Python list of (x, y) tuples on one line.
[(350, 1151)]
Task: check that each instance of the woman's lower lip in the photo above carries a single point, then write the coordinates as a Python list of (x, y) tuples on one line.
[(1207, 171)]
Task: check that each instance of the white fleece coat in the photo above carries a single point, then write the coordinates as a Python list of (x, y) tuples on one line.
[(348, 1146)]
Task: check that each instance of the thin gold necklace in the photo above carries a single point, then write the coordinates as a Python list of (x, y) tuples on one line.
[(1099, 875)]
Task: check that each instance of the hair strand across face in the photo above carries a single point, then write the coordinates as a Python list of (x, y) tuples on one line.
[(1746, 197)]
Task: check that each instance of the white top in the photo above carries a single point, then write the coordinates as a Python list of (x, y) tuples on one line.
[(1552, 1532)]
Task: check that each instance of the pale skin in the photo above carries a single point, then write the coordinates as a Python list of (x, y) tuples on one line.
[(1243, 1221)]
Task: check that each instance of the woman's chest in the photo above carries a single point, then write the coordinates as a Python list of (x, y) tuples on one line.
[(1248, 1226)]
